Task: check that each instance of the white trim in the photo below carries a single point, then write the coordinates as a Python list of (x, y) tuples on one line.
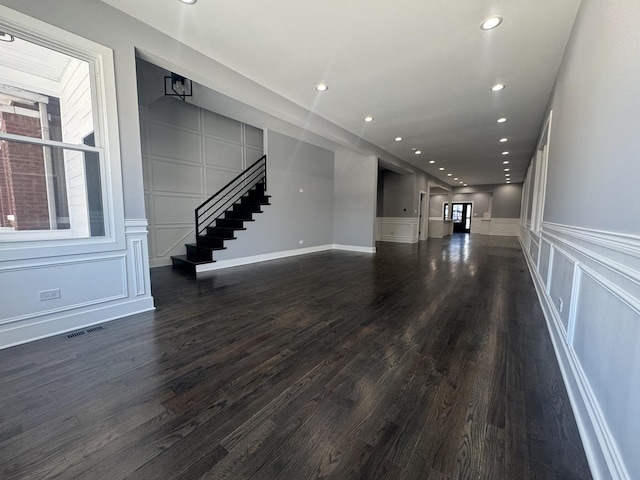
[(612, 261)]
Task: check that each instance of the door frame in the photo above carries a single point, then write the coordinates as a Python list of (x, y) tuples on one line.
[(423, 214)]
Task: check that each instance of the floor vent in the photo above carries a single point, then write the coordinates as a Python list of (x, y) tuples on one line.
[(80, 333)]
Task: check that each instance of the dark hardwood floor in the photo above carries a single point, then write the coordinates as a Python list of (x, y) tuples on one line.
[(428, 361)]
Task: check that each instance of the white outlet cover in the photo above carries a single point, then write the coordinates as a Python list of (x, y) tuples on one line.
[(301, 190)]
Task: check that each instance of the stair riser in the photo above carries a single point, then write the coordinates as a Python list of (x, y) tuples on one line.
[(247, 208), (211, 242), (198, 254), (229, 223), (220, 232), (231, 215)]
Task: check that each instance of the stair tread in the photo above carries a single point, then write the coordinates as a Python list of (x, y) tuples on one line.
[(203, 247), (214, 237)]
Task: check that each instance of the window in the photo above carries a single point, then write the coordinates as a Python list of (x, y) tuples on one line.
[(60, 170), (445, 211)]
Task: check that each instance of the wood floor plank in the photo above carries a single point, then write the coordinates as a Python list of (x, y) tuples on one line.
[(424, 361)]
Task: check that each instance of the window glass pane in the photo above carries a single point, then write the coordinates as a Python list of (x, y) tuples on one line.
[(44, 93), (49, 188)]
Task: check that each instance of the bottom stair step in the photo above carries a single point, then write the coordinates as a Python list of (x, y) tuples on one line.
[(179, 260)]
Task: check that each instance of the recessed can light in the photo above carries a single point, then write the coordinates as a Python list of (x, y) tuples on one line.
[(189, 2), (507, 174), (368, 119), (417, 152), (6, 37), (506, 169), (491, 22), (502, 120), (502, 140), (448, 175), (455, 178), (497, 87), (398, 139), (461, 183), (506, 162), (505, 153), (464, 185), (432, 161), (322, 87), (441, 168)]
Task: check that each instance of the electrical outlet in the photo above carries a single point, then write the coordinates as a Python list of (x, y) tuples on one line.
[(560, 305), (49, 294)]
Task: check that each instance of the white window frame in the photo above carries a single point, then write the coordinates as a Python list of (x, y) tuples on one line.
[(540, 176), (32, 244)]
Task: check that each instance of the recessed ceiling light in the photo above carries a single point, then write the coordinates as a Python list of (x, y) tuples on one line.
[(448, 174), (506, 169), (502, 140), (322, 87), (6, 37), (507, 174), (464, 185), (368, 119), (417, 152), (497, 87), (506, 162), (441, 168), (505, 153), (461, 183), (491, 22), (398, 139), (432, 161), (455, 178), (189, 2), (502, 120)]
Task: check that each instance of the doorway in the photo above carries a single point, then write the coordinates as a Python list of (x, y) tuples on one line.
[(461, 215)]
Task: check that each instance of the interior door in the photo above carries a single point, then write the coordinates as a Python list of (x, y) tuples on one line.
[(461, 216)]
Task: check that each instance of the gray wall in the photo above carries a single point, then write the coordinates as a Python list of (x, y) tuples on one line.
[(435, 204), (595, 142), (354, 199), (398, 195)]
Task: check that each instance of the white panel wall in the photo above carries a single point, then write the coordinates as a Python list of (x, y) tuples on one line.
[(188, 154)]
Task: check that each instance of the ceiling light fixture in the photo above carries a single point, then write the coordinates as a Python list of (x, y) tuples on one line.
[(432, 161), (502, 140), (441, 168), (461, 183), (491, 22), (502, 120), (464, 185), (322, 87), (448, 175), (505, 153), (455, 178), (398, 139), (507, 174), (497, 87), (368, 119), (417, 152), (189, 2), (506, 169), (506, 162), (6, 37)]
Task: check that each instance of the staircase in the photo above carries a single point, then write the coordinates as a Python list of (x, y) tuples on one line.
[(224, 213)]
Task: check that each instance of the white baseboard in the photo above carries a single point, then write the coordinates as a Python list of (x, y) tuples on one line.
[(354, 248)]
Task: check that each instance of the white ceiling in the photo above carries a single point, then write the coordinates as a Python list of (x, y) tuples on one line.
[(422, 68)]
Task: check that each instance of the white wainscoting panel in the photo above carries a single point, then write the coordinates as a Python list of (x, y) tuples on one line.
[(398, 229), (596, 336), (504, 226)]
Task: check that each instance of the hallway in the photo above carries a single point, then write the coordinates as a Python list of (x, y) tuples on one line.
[(428, 360)]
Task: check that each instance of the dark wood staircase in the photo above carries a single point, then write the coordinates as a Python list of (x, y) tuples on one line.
[(225, 213)]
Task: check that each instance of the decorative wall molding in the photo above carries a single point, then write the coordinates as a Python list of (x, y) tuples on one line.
[(504, 226), (397, 229), (603, 266)]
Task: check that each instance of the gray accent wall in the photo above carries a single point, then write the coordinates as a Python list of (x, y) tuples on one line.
[(506, 199)]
